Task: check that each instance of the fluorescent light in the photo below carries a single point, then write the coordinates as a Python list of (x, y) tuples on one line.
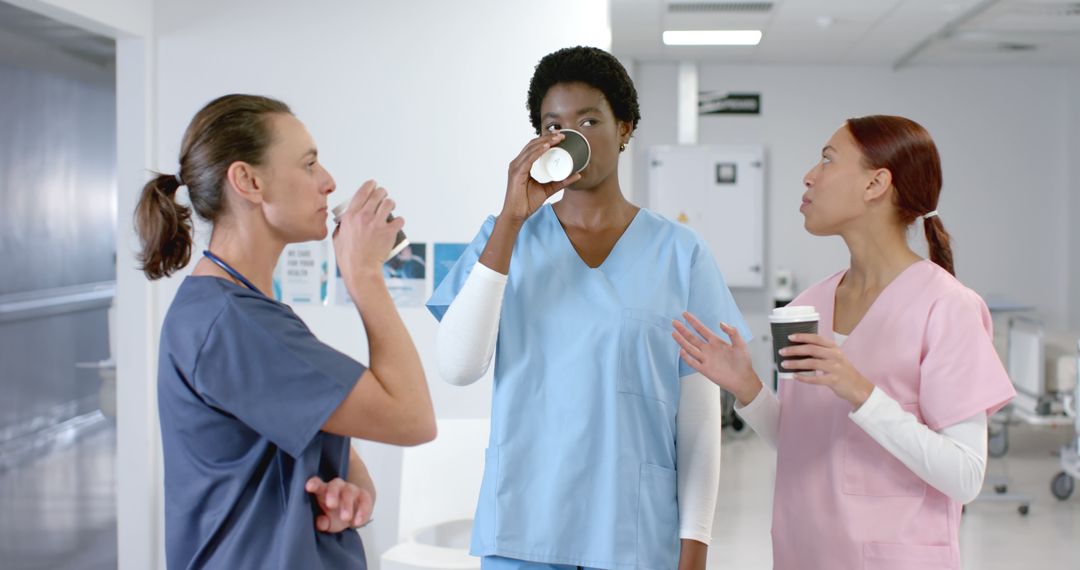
[(712, 37)]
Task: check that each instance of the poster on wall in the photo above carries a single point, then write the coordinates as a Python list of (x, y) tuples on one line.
[(405, 274), (446, 255), (341, 294), (302, 274)]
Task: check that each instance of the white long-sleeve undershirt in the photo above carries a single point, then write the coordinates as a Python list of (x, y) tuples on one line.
[(952, 460), (466, 341)]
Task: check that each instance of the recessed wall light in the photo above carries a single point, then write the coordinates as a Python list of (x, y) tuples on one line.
[(712, 37)]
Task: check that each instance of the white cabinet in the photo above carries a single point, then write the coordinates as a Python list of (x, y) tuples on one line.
[(718, 191)]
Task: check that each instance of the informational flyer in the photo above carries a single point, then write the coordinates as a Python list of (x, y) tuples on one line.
[(302, 274), (341, 294), (405, 274)]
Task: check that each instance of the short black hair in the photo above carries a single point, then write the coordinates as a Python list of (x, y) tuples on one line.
[(591, 66)]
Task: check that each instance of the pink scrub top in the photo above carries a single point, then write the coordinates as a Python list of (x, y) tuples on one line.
[(842, 501)]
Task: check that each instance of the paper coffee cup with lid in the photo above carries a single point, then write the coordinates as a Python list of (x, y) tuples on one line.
[(569, 157), (786, 321)]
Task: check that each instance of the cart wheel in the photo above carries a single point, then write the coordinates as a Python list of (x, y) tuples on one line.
[(1062, 486), (1001, 489), (998, 445), (1024, 509)]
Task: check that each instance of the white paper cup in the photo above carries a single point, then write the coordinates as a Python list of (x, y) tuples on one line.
[(570, 156), (400, 243)]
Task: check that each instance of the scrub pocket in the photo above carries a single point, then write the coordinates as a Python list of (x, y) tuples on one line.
[(657, 519), (888, 556), (870, 470), (648, 357)]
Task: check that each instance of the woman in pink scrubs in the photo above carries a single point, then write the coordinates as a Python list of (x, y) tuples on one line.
[(882, 436)]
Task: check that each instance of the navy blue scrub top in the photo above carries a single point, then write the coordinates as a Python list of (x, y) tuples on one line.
[(244, 388)]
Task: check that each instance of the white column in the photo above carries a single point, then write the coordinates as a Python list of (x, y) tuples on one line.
[(1072, 192), (688, 103), (138, 444)]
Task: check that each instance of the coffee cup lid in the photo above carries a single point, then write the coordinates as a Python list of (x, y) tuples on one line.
[(794, 313)]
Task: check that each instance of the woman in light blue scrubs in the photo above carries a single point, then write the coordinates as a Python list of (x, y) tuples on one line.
[(581, 470), (256, 413)]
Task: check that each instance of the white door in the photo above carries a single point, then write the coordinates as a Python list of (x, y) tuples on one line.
[(719, 192)]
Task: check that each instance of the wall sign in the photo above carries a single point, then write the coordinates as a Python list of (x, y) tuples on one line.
[(719, 103)]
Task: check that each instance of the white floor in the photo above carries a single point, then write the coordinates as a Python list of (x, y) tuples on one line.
[(68, 497), (59, 511), (993, 535)]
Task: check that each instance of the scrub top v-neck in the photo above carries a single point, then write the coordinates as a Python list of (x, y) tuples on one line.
[(244, 389), (844, 501), (580, 467)]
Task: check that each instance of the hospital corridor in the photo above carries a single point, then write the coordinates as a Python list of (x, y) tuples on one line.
[(558, 285)]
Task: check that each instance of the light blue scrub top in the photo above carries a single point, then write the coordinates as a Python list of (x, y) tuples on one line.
[(580, 468), (244, 389)]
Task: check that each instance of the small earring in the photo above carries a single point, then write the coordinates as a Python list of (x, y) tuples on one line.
[(622, 147)]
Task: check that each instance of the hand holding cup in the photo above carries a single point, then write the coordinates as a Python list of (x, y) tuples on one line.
[(367, 232)]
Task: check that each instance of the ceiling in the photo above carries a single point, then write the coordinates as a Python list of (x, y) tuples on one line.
[(28, 39), (897, 33)]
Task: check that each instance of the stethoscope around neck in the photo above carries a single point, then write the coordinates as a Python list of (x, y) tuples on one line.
[(229, 269)]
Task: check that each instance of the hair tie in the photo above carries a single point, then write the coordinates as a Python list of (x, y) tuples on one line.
[(929, 215)]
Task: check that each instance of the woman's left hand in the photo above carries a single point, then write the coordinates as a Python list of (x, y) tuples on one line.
[(692, 555), (344, 504), (833, 368)]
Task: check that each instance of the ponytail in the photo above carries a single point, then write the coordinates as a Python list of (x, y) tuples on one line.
[(164, 228), (938, 242), (231, 128), (905, 148)]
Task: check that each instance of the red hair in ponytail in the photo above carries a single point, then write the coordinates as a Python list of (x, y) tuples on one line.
[(905, 148)]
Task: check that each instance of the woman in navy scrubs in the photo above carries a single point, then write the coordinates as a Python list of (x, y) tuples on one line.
[(256, 413)]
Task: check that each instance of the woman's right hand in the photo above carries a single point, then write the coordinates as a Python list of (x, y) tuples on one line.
[(364, 237), (728, 365), (344, 504), (524, 196)]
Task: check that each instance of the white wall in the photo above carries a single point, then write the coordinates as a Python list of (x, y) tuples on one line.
[(428, 98), (1000, 132), (1073, 190)]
